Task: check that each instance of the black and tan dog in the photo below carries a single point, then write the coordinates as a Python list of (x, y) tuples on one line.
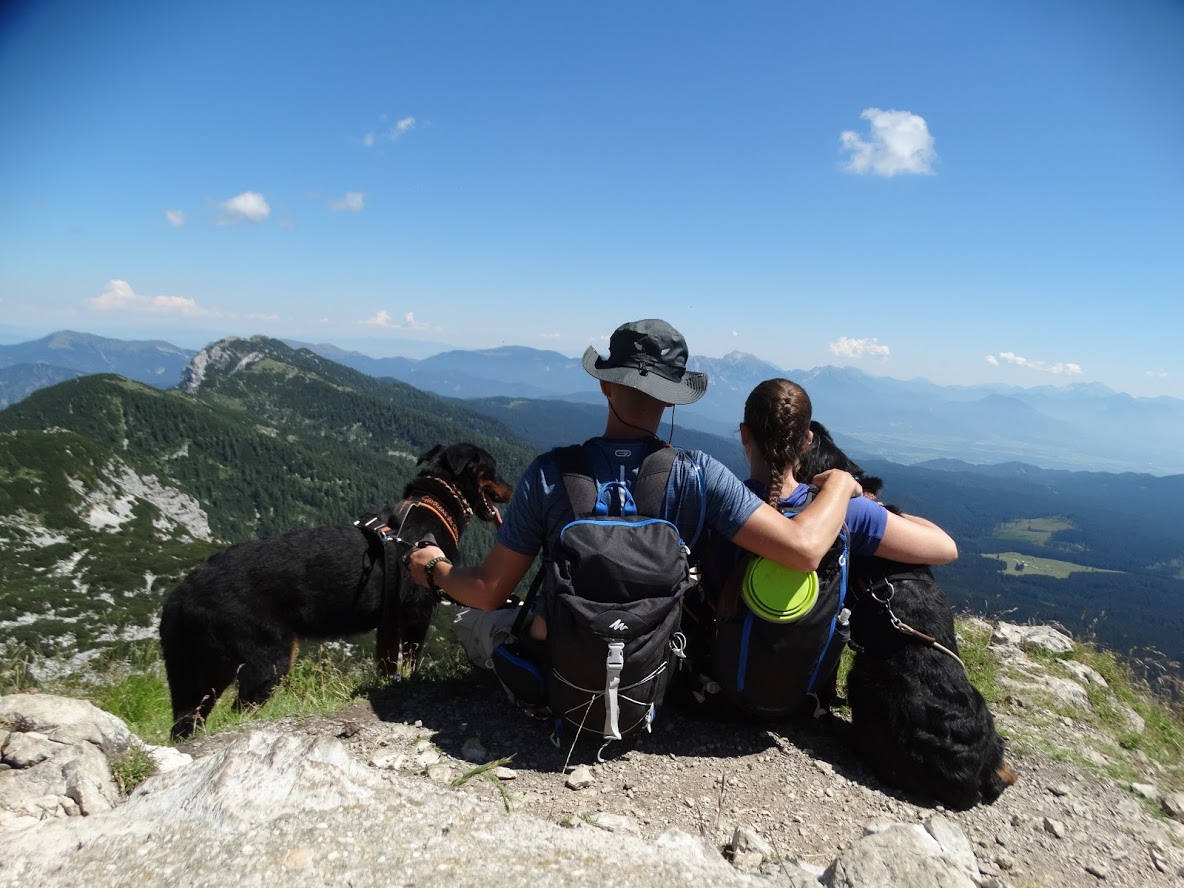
[(239, 616), (917, 721)]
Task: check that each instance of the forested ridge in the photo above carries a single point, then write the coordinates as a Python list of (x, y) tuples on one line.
[(272, 440)]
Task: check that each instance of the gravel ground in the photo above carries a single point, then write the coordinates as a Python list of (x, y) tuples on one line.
[(797, 786)]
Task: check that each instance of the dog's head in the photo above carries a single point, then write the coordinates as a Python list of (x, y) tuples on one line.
[(473, 472), (824, 454)]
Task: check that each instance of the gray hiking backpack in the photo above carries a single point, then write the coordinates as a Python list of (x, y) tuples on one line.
[(617, 577)]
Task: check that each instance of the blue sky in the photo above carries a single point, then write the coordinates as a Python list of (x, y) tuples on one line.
[(970, 192)]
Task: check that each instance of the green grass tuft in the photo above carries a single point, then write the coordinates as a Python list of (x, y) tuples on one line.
[(131, 769), (486, 771)]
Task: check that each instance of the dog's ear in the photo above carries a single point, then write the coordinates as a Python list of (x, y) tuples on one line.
[(458, 456), (430, 455)]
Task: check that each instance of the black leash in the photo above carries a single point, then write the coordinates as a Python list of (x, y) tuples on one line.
[(899, 625)]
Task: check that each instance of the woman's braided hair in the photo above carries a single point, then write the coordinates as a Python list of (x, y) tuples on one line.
[(777, 414)]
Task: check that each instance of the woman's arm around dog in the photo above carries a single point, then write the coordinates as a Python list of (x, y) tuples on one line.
[(801, 543), (914, 540)]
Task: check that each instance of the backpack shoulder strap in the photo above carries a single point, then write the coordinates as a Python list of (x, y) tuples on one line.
[(790, 511), (650, 489), (581, 489)]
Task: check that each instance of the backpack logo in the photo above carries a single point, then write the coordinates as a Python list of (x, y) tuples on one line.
[(617, 624)]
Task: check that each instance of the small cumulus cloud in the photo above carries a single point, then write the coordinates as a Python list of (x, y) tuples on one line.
[(1156, 374), (550, 336), (119, 296), (382, 318), (393, 133), (176, 218), (1060, 368), (898, 142), (859, 348), (250, 206), (352, 202)]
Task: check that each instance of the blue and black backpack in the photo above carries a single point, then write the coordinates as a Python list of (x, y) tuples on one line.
[(778, 634), (616, 579)]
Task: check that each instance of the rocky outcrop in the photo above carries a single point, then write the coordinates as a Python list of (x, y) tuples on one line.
[(55, 758), (218, 356), (271, 806), (404, 790)]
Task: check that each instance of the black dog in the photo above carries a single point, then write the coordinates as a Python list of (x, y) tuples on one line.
[(240, 615), (917, 721)]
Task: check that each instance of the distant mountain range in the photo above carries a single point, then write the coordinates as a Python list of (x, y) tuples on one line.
[(29, 366), (110, 489), (1077, 427)]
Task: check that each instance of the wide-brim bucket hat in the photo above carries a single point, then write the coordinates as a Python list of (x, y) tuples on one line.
[(651, 356)]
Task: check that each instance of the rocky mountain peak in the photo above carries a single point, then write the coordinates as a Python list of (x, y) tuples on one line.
[(228, 356)]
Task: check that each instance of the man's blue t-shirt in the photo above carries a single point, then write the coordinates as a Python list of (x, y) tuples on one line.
[(702, 493)]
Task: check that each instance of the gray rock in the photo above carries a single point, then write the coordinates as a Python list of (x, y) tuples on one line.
[(1046, 637), (955, 847), (57, 752), (1145, 791), (1083, 673), (897, 855), (580, 778), (66, 720), (1172, 804), (1132, 722), (1054, 827), (745, 839)]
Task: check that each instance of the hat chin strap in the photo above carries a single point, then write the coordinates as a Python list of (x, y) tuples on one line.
[(626, 422)]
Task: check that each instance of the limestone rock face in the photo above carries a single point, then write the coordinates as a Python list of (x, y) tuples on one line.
[(299, 810), (56, 753)]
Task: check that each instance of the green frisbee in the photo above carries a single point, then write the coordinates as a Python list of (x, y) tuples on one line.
[(776, 593)]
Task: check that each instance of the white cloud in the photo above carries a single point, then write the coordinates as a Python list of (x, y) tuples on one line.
[(858, 348), (899, 142), (392, 134), (176, 217), (382, 318), (119, 296), (1156, 374), (259, 316), (401, 126), (550, 335), (1060, 368), (352, 202), (250, 206), (411, 323)]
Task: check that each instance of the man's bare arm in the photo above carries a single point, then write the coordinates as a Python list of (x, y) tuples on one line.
[(486, 585)]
